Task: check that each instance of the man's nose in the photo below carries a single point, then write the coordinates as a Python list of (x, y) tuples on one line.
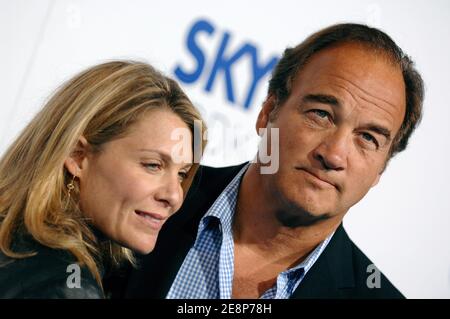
[(169, 192), (332, 152)]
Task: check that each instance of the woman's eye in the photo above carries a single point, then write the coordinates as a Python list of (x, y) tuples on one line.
[(152, 166), (183, 175)]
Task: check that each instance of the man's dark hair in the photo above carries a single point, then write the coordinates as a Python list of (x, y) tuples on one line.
[(295, 58)]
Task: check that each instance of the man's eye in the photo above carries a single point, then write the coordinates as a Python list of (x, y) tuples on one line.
[(369, 138), (321, 113)]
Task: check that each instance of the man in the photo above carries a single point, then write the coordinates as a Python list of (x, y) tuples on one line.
[(344, 102)]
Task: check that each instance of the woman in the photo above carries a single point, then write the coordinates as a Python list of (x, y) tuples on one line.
[(92, 178)]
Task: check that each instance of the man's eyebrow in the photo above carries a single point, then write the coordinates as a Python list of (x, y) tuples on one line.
[(321, 98), (380, 130)]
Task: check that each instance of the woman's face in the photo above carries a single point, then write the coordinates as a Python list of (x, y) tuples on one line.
[(133, 184)]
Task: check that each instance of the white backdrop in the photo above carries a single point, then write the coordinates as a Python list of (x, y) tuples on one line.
[(402, 224)]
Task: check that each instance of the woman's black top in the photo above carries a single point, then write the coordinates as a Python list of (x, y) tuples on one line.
[(50, 274)]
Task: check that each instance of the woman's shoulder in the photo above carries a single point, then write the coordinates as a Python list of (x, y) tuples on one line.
[(50, 273)]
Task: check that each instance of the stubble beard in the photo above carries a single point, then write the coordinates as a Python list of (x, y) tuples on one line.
[(292, 214)]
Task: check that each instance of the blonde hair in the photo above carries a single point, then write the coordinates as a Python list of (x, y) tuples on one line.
[(100, 104)]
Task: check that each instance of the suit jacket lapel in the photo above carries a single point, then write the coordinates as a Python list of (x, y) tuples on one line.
[(332, 272)]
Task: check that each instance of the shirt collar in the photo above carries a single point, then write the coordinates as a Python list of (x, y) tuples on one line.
[(224, 206)]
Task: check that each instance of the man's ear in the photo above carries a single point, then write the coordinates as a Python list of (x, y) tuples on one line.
[(75, 163), (264, 115), (377, 179)]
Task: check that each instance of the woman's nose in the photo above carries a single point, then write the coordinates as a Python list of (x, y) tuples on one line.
[(170, 191)]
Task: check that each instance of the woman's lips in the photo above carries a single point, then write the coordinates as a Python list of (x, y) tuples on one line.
[(153, 220)]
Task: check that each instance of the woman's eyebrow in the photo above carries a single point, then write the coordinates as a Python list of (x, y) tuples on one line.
[(165, 156)]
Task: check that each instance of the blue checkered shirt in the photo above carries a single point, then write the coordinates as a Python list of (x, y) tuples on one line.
[(207, 270)]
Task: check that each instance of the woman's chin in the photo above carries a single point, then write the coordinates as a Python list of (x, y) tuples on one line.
[(138, 242), (143, 251), (143, 247)]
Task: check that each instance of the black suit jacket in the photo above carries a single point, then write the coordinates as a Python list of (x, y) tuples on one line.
[(340, 271)]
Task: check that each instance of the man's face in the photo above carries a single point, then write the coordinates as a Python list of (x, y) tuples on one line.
[(335, 129)]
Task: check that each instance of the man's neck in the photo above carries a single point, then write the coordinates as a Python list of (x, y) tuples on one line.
[(263, 247)]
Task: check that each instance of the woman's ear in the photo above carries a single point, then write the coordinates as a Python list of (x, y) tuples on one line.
[(76, 162)]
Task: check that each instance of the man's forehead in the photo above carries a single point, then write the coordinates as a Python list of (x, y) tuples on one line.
[(356, 59), (365, 74)]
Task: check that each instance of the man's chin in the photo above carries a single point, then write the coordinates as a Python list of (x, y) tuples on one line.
[(300, 218)]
